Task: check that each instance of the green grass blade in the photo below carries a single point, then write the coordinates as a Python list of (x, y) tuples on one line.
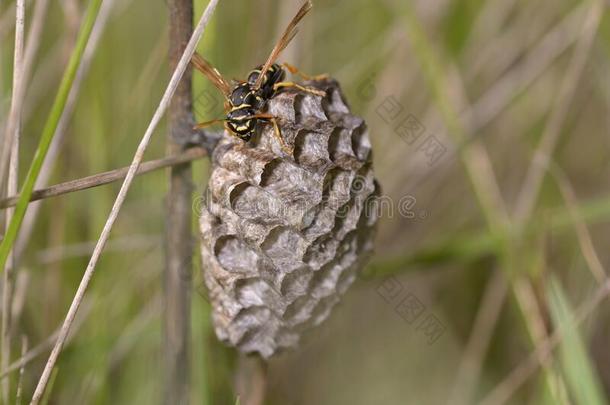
[(48, 131), (580, 373)]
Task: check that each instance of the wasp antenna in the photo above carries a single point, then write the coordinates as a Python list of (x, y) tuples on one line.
[(283, 42), (208, 123)]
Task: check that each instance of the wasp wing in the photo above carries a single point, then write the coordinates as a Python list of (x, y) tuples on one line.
[(211, 73), (287, 36)]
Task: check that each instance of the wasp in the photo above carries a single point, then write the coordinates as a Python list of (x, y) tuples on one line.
[(245, 101)]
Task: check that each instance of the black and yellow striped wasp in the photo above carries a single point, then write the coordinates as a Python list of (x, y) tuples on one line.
[(246, 100)]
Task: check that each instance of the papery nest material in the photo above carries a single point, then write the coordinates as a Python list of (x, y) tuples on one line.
[(285, 234)]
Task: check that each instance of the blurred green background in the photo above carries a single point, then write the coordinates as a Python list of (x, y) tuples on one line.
[(482, 82)]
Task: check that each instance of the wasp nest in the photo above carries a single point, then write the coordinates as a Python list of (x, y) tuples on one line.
[(284, 234)]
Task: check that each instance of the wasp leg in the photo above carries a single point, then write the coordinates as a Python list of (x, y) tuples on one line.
[(280, 138), (276, 131), (310, 90), (295, 71)]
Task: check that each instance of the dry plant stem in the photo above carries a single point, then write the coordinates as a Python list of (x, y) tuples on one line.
[(19, 295), (251, 380), (503, 92), (129, 243), (9, 274), (474, 156), (584, 237), (107, 177), (489, 21), (533, 311), (503, 391), (499, 96), (23, 66), (12, 135), (13, 120), (47, 167), (24, 350), (7, 20), (33, 37), (169, 92), (178, 239), (30, 355), (45, 345), (478, 343), (535, 174), (571, 80), (131, 335)]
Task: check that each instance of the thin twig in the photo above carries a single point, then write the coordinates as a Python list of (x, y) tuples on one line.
[(535, 174), (46, 344), (17, 94), (478, 343), (251, 380), (178, 239), (503, 391), (34, 36), (499, 96), (516, 80), (7, 18), (22, 282), (23, 66), (474, 156), (534, 313), (31, 355), (60, 133), (129, 243), (12, 134), (131, 334), (24, 350), (108, 177), (33, 42), (48, 131), (169, 92), (476, 160), (584, 237)]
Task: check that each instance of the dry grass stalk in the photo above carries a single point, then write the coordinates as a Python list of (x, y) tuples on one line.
[(582, 232), (178, 234), (11, 141), (47, 168), (160, 111), (251, 380), (535, 174), (480, 338), (520, 374), (108, 177), (24, 350)]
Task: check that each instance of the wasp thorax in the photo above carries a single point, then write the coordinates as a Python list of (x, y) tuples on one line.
[(242, 94), (285, 233), (274, 75)]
